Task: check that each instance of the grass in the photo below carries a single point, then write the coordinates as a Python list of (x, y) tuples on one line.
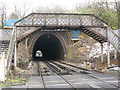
[(11, 82), (69, 54), (3, 85)]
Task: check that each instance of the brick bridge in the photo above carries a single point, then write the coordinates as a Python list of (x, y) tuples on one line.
[(48, 32)]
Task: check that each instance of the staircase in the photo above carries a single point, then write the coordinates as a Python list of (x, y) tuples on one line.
[(103, 35), (4, 46), (11, 50)]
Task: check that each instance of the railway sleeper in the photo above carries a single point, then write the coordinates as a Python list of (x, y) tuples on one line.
[(72, 68), (58, 69)]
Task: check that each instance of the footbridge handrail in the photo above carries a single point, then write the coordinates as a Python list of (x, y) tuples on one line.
[(58, 19), (113, 38), (11, 50)]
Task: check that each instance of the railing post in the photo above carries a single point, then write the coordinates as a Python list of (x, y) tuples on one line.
[(15, 53), (115, 53), (108, 48), (119, 48), (69, 19), (91, 21), (45, 17), (80, 20), (107, 32), (101, 53), (57, 19), (108, 52), (32, 19)]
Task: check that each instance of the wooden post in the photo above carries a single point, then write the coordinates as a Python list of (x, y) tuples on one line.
[(15, 56), (115, 53), (108, 52), (87, 57), (15, 53), (101, 53)]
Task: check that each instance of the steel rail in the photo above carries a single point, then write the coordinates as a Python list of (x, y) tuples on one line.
[(53, 69), (40, 73), (92, 76)]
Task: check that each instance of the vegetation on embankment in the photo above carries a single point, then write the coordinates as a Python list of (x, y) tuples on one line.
[(13, 81), (107, 11)]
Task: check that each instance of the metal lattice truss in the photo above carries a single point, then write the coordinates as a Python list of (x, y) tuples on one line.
[(57, 19), (88, 23)]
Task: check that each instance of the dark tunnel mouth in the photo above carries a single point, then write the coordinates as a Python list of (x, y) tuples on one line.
[(50, 46)]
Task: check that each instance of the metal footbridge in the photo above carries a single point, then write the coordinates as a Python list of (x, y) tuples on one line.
[(87, 23)]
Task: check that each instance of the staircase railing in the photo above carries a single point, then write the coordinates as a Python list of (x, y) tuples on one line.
[(113, 38), (110, 35), (11, 50)]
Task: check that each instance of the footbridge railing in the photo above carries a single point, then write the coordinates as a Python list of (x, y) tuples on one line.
[(11, 50), (113, 38), (60, 19)]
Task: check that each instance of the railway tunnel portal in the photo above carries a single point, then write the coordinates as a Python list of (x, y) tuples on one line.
[(50, 46)]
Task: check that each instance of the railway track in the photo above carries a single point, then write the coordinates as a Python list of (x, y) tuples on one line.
[(71, 69), (73, 66), (40, 73), (55, 69), (58, 69), (78, 70)]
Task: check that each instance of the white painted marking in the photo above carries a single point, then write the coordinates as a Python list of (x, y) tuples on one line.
[(85, 79), (94, 86), (55, 81), (35, 85), (79, 83), (58, 85), (111, 81), (72, 80), (108, 78)]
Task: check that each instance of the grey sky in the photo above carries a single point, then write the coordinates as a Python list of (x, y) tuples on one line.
[(67, 4)]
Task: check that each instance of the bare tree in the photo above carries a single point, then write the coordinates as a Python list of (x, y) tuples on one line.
[(23, 12), (43, 10), (2, 14), (19, 13), (55, 9), (58, 9)]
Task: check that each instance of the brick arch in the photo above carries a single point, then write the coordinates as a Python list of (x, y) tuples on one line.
[(38, 34)]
